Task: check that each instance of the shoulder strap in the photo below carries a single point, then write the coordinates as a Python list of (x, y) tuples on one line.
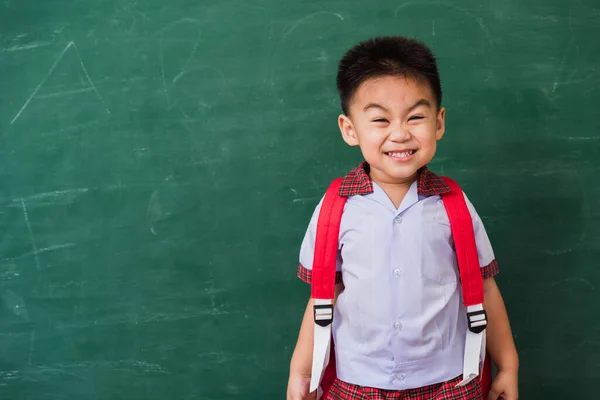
[(323, 287), (326, 242), (461, 225), (464, 241)]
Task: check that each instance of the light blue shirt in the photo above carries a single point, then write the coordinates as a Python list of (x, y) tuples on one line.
[(400, 322)]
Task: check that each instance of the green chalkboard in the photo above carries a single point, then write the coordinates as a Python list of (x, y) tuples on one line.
[(159, 162)]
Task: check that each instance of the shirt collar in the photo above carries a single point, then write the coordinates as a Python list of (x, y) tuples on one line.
[(358, 182)]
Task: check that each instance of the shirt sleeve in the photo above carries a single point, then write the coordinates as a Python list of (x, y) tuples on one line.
[(307, 251), (487, 260)]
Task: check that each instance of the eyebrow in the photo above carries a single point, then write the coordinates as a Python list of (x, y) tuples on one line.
[(422, 102), (375, 105)]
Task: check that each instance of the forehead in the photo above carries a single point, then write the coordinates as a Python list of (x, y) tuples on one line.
[(394, 91)]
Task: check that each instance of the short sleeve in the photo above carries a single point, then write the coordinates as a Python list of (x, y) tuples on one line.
[(485, 252), (307, 250)]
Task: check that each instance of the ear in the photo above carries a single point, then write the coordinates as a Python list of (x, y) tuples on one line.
[(440, 124), (348, 131)]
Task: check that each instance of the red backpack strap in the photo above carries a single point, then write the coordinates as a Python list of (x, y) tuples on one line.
[(464, 241), (326, 242), (323, 286), (465, 245)]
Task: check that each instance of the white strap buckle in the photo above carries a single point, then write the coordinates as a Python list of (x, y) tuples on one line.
[(475, 344), (322, 341), (323, 314)]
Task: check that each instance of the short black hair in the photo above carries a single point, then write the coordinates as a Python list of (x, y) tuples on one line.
[(386, 56)]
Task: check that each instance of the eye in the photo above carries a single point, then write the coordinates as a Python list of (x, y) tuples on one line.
[(416, 117), (380, 120)]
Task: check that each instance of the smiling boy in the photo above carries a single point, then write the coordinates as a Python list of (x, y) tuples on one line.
[(399, 325)]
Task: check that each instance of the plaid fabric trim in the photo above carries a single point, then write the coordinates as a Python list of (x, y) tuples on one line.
[(441, 391), (490, 270), (358, 182), (306, 274), (430, 184)]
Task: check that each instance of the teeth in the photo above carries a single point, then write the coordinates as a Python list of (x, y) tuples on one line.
[(403, 154)]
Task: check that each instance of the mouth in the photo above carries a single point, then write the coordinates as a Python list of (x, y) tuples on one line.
[(403, 155)]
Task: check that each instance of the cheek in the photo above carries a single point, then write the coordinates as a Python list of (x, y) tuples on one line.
[(371, 136), (374, 141), (429, 143), (427, 139)]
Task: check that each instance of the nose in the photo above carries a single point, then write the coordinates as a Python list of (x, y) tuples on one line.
[(399, 133)]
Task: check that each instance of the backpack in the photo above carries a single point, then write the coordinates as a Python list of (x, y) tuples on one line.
[(323, 284)]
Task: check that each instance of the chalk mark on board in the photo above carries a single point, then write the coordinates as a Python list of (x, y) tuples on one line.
[(56, 193), (132, 25), (477, 18), (33, 244), (291, 29), (71, 44), (56, 247), (65, 93), (162, 71), (40, 251), (15, 304), (561, 68), (22, 47), (183, 70), (89, 79), (192, 54), (580, 137), (574, 280), (306, 200), (61, 55), (31, 345)]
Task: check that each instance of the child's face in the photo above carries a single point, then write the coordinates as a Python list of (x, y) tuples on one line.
[(396, 123)]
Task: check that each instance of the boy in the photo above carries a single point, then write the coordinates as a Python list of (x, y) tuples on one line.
[(399, 324)]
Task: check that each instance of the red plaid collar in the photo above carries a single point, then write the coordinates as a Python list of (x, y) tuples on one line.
[(358, 182)]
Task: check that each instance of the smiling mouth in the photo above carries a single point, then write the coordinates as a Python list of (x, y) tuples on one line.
[(400, 155)]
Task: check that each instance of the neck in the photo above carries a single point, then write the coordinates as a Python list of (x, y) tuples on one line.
[(395, 190)]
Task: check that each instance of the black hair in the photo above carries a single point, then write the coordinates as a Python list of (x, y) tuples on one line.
[(386, 56)]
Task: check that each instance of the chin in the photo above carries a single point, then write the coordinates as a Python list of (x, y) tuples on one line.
[(394, 174)]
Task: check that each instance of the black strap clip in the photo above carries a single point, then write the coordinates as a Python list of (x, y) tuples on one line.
[(477, 321), (323, 314)]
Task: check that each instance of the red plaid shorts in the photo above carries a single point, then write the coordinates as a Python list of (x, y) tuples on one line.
[(440, 391)]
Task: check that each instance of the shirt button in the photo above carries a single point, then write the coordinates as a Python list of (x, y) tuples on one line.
[(397, 273), (397, 326), (398, 219), (401, 377)]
